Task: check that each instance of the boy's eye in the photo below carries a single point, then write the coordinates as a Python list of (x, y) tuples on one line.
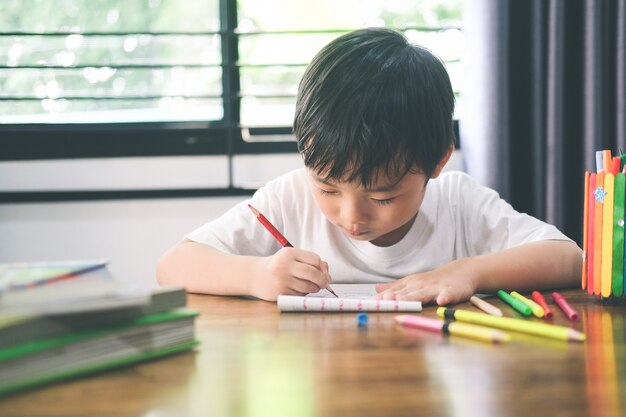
[(325, 192), (384, 201)]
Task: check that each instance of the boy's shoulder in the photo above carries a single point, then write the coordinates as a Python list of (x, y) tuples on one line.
[(455, 179), (459, 187), (289, 186)]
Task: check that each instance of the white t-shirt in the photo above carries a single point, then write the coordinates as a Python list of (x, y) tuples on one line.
[(458, 218)]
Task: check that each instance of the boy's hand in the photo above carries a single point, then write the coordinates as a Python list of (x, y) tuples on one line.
[(448, 284), (290, 271)]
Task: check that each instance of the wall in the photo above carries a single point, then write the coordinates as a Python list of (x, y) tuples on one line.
[(131, 233)]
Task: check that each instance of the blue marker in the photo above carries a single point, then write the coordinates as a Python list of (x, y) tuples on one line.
[(361, 319)]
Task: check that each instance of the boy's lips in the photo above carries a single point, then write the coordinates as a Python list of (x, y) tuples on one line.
[(355, 233)]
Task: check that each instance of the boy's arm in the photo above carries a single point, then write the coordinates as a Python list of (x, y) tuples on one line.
[(202, 269), (532, 266)]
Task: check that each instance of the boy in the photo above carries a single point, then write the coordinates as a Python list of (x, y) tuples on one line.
[(374, 126)]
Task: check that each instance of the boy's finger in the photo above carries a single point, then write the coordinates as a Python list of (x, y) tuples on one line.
[(384, 286), (422, 295), (307, 257), (324, 266), (310, 273), (290, 291), (304, 286)]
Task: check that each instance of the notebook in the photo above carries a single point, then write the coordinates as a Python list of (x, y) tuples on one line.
[(352, 297)]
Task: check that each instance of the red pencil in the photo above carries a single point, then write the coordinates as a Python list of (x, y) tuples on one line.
[(279, 236)]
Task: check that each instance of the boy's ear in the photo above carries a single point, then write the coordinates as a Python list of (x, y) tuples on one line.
[(443, 162)]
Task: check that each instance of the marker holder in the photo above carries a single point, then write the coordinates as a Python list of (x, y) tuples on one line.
[(603, 268)]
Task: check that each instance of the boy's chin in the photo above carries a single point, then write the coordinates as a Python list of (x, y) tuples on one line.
[(363, 237)]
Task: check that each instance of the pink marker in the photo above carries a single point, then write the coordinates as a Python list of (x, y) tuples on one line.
[(484, 334), (426, 323), (567, 309)]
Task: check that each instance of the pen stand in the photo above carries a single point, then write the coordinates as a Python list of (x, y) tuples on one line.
[(603, 234)]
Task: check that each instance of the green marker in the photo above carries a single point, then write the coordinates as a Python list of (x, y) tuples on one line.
[(618, 235), (515, 303)]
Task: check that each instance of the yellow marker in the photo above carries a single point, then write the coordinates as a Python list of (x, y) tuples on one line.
[(606, 274), (536, 308), (506, 323)]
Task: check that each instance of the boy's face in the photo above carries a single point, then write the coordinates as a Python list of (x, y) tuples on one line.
[(381, 214)]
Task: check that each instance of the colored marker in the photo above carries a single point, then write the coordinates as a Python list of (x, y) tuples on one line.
[(485, 306), (565, 306), (277, 235), (515, 303), (599, 161), (615, 165), (585, 231), (536, 308), (591, 233), (361, 319), (507, 323), (483, 334), (538, 298), (606, 160), (606, 269)]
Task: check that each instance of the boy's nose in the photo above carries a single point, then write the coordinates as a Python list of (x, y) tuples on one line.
[(352, 214)]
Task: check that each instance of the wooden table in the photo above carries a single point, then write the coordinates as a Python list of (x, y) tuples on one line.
[(255, 361)]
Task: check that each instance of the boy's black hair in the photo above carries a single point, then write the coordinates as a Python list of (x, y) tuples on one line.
[(372, 101)]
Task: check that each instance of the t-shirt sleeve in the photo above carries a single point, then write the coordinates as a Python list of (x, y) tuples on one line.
[(490, 224), (239, 232)]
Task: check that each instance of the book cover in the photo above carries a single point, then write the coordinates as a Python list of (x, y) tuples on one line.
[(75, 354), (31, 274), (23, 328), (94, 290)]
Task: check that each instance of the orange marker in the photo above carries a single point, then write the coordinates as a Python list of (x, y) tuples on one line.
[(597, 240), (585, 226), (591, 233)]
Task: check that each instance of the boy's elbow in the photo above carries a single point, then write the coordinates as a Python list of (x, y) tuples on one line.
[(165, 269)]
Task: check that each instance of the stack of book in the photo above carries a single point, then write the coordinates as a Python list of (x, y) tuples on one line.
[(65, 319)]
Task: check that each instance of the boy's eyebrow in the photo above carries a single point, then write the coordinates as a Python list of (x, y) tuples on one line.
[(321, 180), (385, 188)]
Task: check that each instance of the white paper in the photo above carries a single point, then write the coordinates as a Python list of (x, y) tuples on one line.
[(358, 291)]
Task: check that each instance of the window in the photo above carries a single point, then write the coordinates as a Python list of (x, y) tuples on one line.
[(278, 38), (85, 61), (104, 78)]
